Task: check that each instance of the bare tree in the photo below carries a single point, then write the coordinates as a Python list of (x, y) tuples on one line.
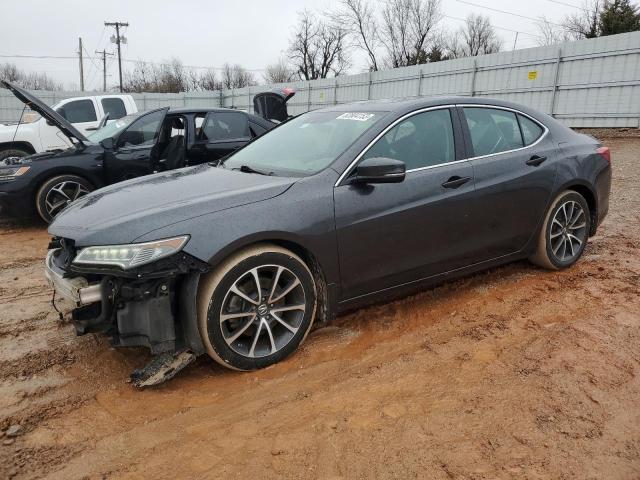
[(407, 30), (358, 18), (209, 81), (236, 76), (279, 72), (476, 37), (317, 48), (31, 81), (168, 77), (550, 34), (584, 24)]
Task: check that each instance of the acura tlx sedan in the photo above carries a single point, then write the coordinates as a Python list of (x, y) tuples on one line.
[(329, 211)]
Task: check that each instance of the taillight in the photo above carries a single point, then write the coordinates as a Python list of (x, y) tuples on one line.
[(605, 153)]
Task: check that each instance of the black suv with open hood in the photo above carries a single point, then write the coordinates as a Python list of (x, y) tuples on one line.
[(129, 147)]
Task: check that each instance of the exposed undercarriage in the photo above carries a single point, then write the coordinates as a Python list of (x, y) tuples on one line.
[(152, 306)]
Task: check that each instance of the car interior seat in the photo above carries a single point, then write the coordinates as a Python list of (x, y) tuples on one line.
[(173, 154)]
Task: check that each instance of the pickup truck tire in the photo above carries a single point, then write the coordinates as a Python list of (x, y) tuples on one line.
[(57, 192), (12, 152)]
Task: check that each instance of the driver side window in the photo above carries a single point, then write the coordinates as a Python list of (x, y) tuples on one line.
[(492, 130), (142, 132), (422, 140)]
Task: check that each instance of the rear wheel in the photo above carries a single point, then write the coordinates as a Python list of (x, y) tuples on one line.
[(564, 233), (57, 192), (256, 308)]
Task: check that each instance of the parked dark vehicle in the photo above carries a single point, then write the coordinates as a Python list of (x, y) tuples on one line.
[(332, 210), (132, 146)]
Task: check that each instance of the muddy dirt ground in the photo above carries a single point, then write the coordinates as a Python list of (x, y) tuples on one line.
[(513, 373)]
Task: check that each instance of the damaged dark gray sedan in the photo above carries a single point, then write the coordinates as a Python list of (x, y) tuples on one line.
[(329, 211)]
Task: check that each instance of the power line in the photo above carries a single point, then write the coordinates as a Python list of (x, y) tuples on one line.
[(570, 5), (62, 57), (495, 26), (505, 12)]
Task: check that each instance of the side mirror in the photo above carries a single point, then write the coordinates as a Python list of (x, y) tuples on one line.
[(379, 170), (108, 143)]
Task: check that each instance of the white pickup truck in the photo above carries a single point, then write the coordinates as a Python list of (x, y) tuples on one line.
[(85, 113)]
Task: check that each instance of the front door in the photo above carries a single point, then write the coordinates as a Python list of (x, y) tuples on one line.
[(514, 167), (131, 156), (391, 234)]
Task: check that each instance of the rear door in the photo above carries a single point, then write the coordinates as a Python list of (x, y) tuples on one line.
[(514, 163), (391, 234), (131, 156), (220, 134), (114, 106)]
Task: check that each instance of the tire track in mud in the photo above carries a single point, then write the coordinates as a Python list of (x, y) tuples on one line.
[(514, 372)]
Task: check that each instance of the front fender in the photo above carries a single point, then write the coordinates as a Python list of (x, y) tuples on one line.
[(303, 215)]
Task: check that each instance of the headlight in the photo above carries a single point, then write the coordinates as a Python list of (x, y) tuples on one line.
[(133, 255), (13, 171)]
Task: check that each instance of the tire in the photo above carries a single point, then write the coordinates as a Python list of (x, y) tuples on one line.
[(57, 192), (556, 232), (280, 329), (13, 152)]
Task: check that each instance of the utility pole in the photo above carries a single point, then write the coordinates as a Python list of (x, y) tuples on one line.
[(81, 66), (118, 40), (104, 68)]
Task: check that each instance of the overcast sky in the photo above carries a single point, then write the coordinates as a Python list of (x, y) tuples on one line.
[(200, 32)]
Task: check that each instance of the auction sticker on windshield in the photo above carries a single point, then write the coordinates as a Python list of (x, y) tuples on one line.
[(360, 117)]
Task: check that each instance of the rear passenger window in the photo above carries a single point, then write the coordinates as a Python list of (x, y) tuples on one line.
[(423, 140), (531, 131), (78, 111), (114, 107), (492, 130), (225, 126)]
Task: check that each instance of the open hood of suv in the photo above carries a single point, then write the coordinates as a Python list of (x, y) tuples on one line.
[(47, 112)]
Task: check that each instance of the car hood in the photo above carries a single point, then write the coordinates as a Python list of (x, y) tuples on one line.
[(47, 112), (125, 211)]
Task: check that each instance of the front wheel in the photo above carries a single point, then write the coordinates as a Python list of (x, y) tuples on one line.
[(256, 308), (57, 192), (564, 233)]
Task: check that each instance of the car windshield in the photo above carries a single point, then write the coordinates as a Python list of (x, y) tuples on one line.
[(112, 129), (304, 145)]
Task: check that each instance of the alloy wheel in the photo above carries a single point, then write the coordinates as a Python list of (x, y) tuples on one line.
[(262, 311), (62, 194), (568, 231)]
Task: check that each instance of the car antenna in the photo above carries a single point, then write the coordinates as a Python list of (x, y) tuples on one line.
[(15, 132)]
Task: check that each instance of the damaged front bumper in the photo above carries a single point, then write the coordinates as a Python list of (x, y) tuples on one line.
[(77, 290), (154, 306)]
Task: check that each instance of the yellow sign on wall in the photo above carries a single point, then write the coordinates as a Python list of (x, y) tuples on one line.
[(533, 74)]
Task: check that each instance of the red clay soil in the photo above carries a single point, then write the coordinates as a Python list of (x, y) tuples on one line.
[(514, 373)]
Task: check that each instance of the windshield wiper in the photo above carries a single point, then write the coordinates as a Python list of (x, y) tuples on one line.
[(248, 169)]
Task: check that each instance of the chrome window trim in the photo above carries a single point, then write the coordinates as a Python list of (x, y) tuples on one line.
[(545, 130), (349, 169)]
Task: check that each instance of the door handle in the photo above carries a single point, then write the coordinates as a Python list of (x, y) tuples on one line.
[(535, 161), (455, 182)]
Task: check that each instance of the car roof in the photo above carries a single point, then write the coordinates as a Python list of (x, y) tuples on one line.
[(202, 110), (400, 105)]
